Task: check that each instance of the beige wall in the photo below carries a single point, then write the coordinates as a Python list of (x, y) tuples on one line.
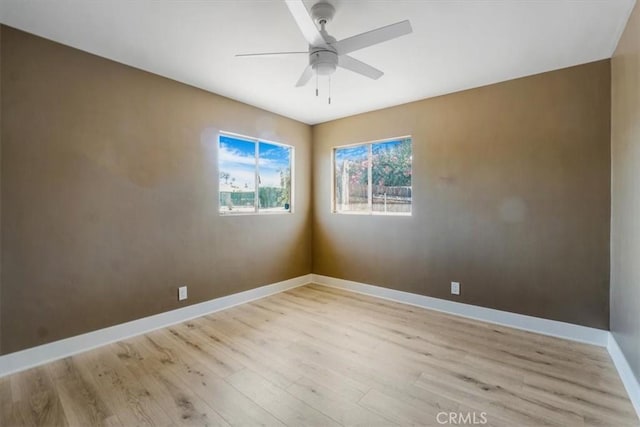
[(625, 192), (511, 198), (109, 195)]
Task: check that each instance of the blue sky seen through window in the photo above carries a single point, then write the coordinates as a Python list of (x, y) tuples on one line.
[(273, 159), (237, 158)]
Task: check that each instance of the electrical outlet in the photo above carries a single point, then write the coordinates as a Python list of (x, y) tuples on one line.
[(455, 288), (182, 293)]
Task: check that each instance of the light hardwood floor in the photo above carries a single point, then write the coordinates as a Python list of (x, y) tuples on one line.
[(324, 357)]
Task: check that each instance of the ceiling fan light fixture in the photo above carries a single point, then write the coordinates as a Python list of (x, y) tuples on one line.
[(325, 69), (324, 62)]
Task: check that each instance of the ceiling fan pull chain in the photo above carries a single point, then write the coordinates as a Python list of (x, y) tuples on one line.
[(329, 90), (316, 84)]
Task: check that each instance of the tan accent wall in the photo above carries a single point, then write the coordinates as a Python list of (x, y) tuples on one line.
[(511, 187), (625, 192), (109, 195)]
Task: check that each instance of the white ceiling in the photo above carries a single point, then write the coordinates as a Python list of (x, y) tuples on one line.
[(455, 45)]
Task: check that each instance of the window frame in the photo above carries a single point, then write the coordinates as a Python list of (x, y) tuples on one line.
[(257, 142), (370, 211)]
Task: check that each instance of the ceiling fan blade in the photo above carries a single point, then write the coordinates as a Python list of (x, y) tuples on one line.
[(305, 77), (269, 54), (352, 64), (372, 37), (305, 22)]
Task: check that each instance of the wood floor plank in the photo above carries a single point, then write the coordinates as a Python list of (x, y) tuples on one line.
[(122, 392), (598, 408), (282, 405), (9, 411), (204, 351), (335, 405), (316, 355), (508, 398), (37, 399), (397, 410), (352, 344), (251, 354), (232, 405), (177, 399), (79, 397), (350, 389)]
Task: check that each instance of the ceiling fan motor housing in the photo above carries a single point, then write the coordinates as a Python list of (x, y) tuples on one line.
[(324, 62)]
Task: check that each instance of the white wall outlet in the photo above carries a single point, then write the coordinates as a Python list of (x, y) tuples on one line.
[(182, 293), (455, 288)]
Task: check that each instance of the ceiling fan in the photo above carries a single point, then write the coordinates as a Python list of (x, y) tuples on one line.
[(325, 52)]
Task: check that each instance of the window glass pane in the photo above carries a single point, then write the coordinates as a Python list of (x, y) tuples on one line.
[(391, 176), (351, 178), (274, 191), (237, 167)]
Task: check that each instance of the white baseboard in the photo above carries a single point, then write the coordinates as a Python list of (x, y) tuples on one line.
[(553, 328), (29, 358), (626, 374)]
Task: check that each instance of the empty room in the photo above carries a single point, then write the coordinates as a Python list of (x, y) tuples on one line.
[(320, 213)]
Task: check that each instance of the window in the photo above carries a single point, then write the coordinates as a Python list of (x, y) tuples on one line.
[(373, 178), (255, 176)]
